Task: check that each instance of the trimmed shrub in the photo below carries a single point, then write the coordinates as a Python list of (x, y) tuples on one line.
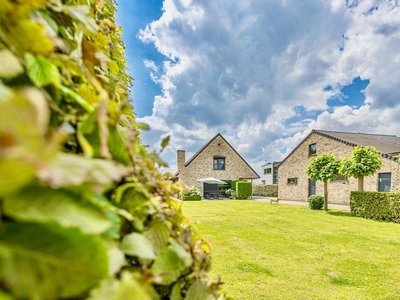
[(243, 190), (265, 190), (316, 201), (191, 198), (376, 205), (234, 182)]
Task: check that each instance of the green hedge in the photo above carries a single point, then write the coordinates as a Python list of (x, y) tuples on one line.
[(191, 198), (244, 190), (234, 182), (84, 211), (265, 190), (376, 205)]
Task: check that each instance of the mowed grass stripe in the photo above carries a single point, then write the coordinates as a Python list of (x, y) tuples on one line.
[(265, 251)]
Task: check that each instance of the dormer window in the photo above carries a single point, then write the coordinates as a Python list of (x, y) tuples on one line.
[(219, 163)]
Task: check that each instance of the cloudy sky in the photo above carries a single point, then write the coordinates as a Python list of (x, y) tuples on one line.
[(263, 73)]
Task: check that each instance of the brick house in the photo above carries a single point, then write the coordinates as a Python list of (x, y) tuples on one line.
[(216, 159), (294, 184)]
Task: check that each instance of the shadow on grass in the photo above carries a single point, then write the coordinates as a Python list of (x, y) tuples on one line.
[(253, 268), (340, 213)]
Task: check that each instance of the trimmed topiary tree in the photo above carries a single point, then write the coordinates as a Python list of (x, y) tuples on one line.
[(364, 161), (323, 167)]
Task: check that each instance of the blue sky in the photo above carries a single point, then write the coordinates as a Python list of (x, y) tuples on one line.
[(263, 73)]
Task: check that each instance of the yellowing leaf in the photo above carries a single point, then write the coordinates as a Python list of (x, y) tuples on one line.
[(82, 14), (22, 143), (39, 103), (10, 65), (14, 174), (19, 9), (114, 69), (88, 93), (34, 38)]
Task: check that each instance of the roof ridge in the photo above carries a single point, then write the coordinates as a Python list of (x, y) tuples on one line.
[(324, 133), (352, 132), (201, 149)]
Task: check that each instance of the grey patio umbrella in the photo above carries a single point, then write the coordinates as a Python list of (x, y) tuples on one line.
[(212, 180)]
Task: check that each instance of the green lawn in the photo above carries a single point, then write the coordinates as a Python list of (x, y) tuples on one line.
[(265, 251)]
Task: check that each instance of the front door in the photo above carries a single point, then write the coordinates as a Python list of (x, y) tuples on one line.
[(312, 187)]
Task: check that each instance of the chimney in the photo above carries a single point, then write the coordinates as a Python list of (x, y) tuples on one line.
[(181, 160)]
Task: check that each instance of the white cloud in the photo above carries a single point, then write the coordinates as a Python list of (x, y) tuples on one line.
[(241, 67)]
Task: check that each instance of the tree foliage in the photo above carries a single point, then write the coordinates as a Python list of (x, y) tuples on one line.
[(84, 211), (364, 161), (323, 168)]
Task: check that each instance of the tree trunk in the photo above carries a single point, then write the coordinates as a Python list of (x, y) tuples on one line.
[(326, 195), (361, 183)]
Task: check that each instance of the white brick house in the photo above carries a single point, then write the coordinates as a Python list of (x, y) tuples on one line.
[(294, 184), (216, 159)]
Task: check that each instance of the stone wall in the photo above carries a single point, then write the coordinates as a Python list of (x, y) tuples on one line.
[(295, 164), (203, 165)]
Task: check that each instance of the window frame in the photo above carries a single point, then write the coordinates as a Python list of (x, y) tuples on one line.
[(292, 180), (275, 176), (311, 151), (217, 165), (266, 171), (379, 181)]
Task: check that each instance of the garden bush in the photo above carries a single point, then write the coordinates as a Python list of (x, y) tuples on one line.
[(316, 201), (376, 205), (265, 190), (191, 194), (243, 190), (85, 213)]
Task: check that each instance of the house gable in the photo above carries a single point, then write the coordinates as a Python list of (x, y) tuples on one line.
[(294, 182), (387, 145), (201, 164)]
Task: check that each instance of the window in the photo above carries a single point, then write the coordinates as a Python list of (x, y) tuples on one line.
[(219, 163), (267, 171), (312, 187), (385, 181), (275, 175), (263, 181), (312, 149), (292, 181)]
